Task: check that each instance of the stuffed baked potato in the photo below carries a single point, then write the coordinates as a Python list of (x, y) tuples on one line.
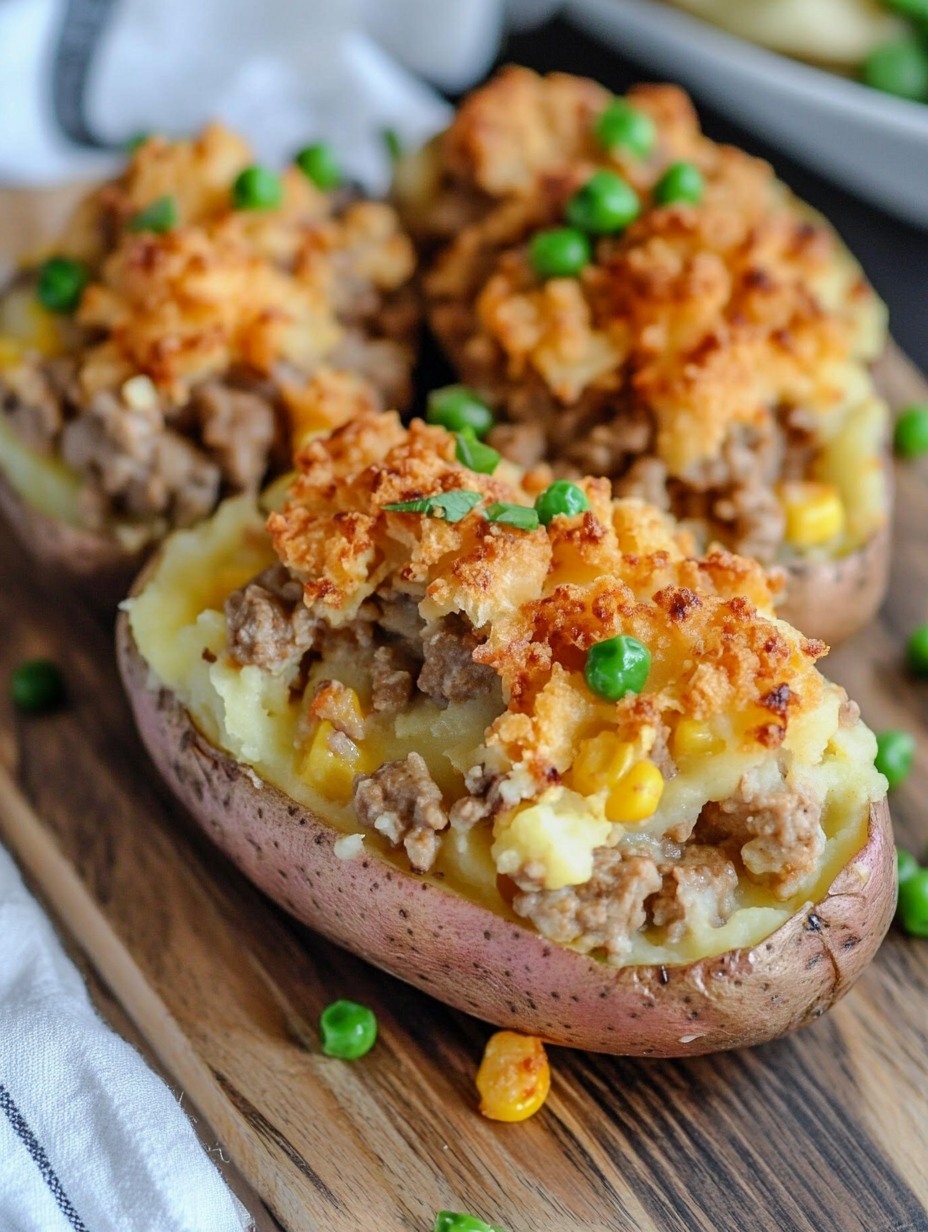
[(517, 746), (189, 325), (639, 302)]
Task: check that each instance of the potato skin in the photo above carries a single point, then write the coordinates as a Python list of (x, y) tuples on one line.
[(93, 563), (494, 967), (834, 599)]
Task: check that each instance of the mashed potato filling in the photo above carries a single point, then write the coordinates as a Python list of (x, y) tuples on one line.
[(530, 833)]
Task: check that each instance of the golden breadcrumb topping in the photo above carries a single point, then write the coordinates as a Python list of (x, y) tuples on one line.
[(538, 599), (725, 341), (709, 315), (225, 287)]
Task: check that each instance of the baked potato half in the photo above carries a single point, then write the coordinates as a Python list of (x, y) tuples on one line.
[(637, 301), (194, 320), (517, 747)]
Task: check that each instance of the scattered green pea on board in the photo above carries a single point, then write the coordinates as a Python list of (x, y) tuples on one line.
[(912, 907), (910, 436), (452, 1221), (895, 752), (916, 651), (349, 1030), (36, 686)]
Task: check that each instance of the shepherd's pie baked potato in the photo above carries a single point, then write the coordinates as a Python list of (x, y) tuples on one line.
[(639, 302), (517, 746), (196, 318)]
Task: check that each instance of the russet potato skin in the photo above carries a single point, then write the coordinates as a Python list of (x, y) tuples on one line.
[(93, 563), (834, 599), (492, 966)]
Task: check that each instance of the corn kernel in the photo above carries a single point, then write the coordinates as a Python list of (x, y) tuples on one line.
[(332, 773), (637, 794), (602, 760), (693, 738), (814, 513), (12, 353), (514, 1076)]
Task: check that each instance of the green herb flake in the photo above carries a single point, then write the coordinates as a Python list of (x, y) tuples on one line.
[(159, 217), (523, 517), (474, 454), (453, 506), (394, 146)]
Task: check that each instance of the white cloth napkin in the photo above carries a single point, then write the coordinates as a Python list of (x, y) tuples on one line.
[(90, 1139), (77, 76)]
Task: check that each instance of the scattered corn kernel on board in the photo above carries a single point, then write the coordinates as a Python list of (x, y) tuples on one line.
[(821, 1131)]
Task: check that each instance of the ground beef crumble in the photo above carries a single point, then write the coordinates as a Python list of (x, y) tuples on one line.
[(602, 914), (402, 801), (702, 884), (449, 673), (777, 832), (268, 623)]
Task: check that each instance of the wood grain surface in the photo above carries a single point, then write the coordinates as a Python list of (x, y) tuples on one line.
[(825, 1131)]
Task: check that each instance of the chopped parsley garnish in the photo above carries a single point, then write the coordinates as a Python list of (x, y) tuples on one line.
[(452, 506), (523, 517), (474, 454), (159, 217)]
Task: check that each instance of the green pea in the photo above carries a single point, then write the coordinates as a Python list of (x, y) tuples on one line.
[(560, 499), (474, 454), (319, 164), (458, 408), (895, 751), (606, 203), (159, 217), (561, 252), (680, 182), (916, 651), (617, 666), (913, 903), (349, 1030), (906, 865), (910, 438), (452, 1221), (900, 68), (61, 282), (623, 127), (257, 188), (37, 686)]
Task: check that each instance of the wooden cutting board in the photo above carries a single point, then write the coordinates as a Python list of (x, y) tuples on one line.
[(826, 1131)]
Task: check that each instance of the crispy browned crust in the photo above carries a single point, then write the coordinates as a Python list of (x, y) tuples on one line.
[(492, 966), (90, 561)]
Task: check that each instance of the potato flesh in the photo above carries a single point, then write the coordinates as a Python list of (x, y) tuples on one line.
[(251, 714)]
